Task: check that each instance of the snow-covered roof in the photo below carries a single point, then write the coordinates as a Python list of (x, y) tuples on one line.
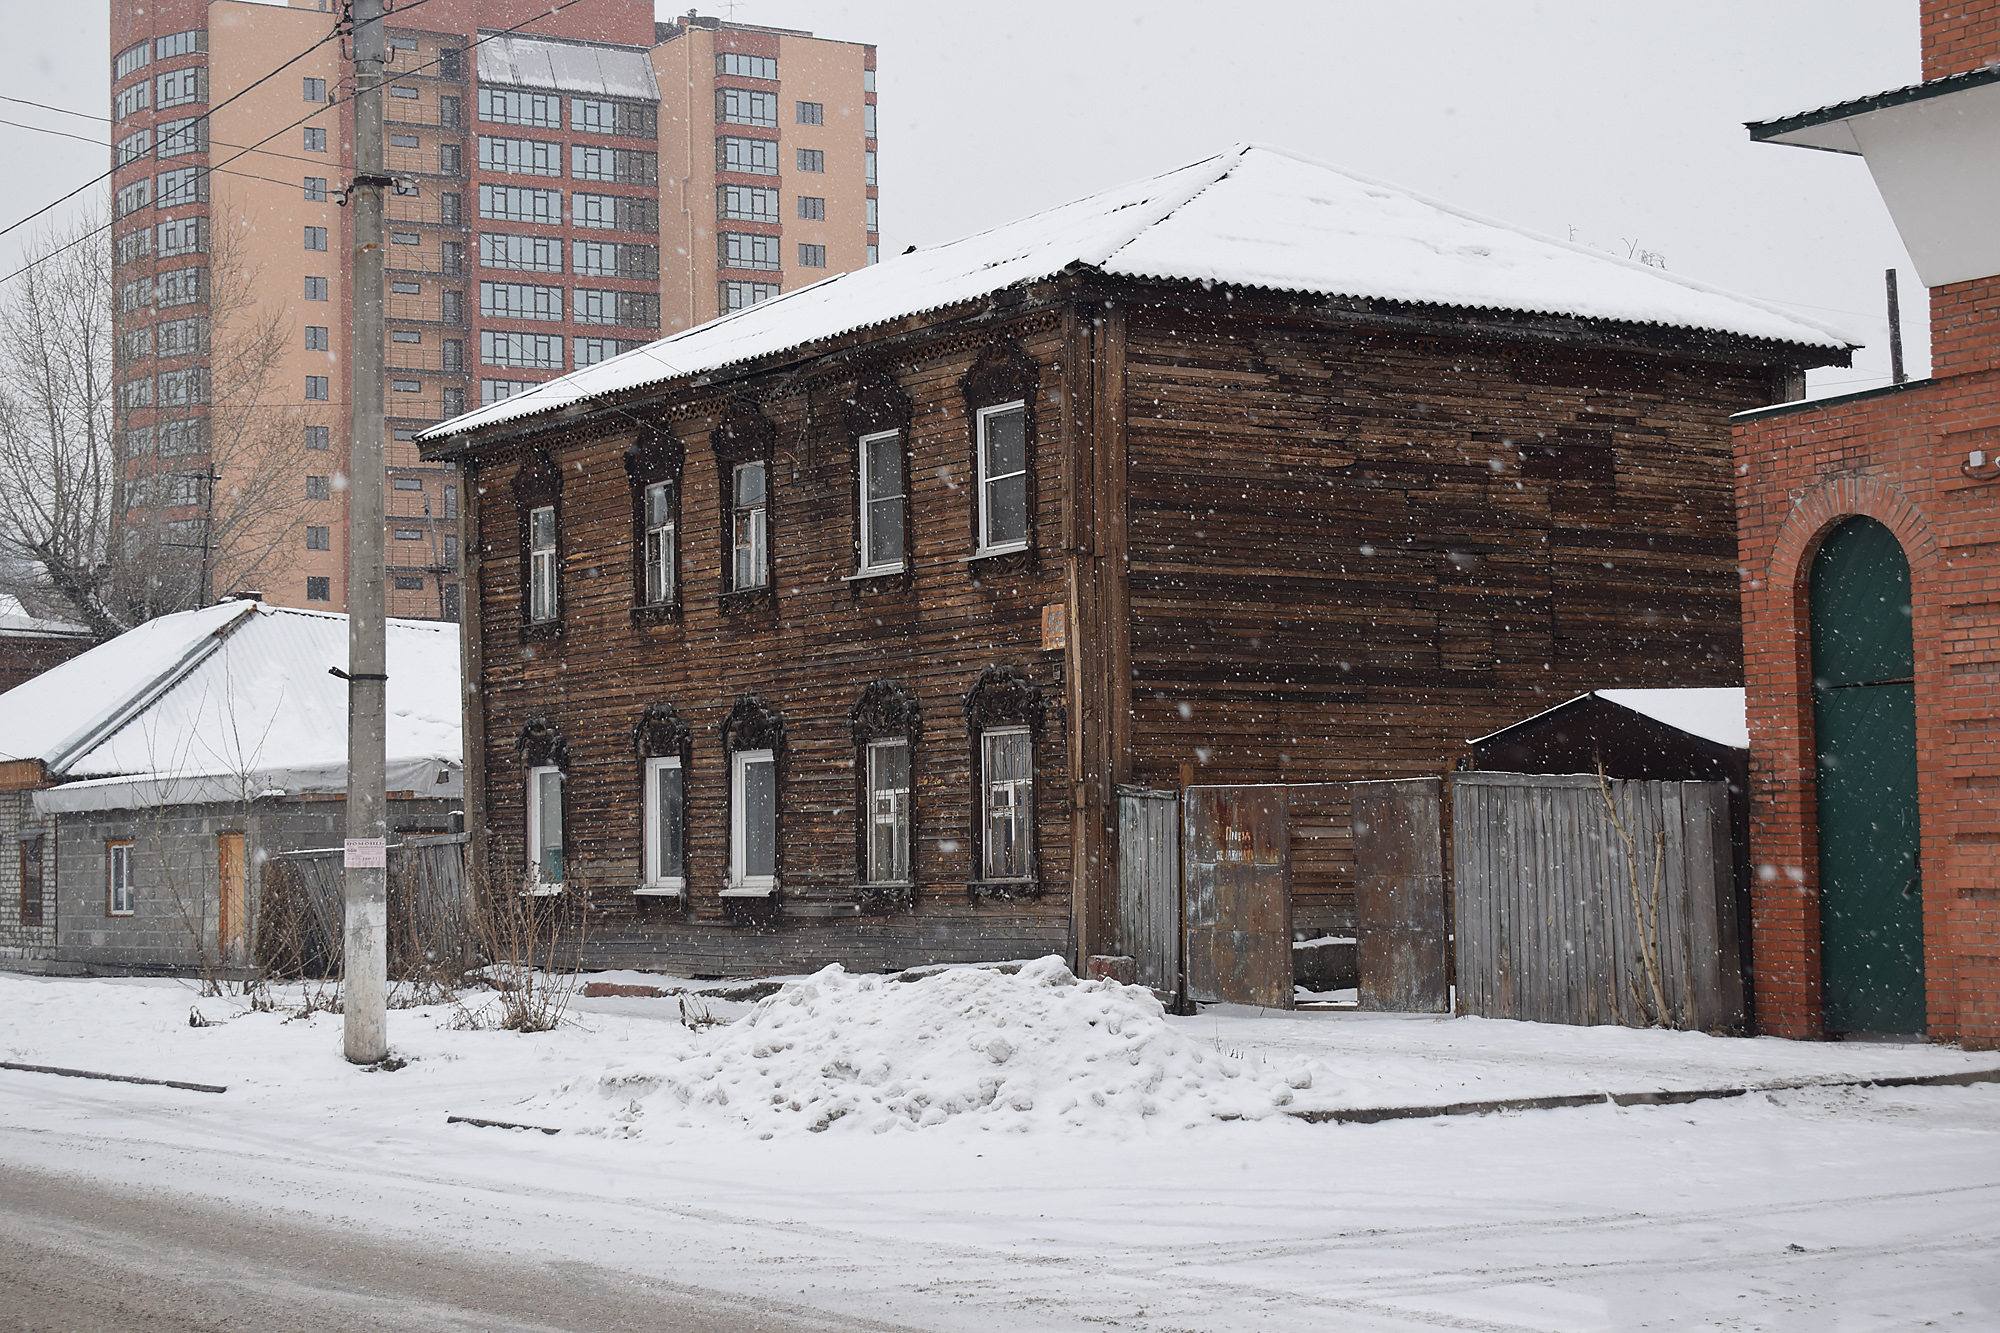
[(1714, 714), (1253, 217), (234, 699), (17, 620), (571, 67)]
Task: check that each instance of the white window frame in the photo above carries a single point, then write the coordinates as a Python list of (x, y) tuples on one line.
[(544, 593), (654, 881), (1023, 811), (863, 447), (741, 884), (661, 544), (898, 814), (536, 884), (986, 545), (759, 544), (119, 896)]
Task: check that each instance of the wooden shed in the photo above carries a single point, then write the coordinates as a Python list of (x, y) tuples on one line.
[(828, 631)]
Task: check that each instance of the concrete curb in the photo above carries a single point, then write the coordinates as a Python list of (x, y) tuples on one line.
[(112, 1078), (1370, 1115)]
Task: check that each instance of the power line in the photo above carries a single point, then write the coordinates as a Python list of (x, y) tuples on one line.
[(64, 134)]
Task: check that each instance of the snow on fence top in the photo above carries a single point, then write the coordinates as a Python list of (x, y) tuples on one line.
[(1253, 217)]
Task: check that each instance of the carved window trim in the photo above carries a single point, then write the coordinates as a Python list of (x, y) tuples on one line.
[(754, 727), (1003, 697), (538, 485), (887, 710), (660, 737), (878, 408), (745, 435), (542, 748), (1001, 376), (657, 459)]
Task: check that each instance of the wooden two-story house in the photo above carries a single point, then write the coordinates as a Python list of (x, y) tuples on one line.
[(827, 631)]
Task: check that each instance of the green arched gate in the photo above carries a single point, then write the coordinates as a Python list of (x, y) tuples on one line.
[(1865, 728)]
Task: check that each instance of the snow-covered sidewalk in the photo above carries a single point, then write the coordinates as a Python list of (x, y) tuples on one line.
[(1035, 1205)]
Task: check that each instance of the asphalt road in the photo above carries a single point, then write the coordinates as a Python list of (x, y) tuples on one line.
[(76, 1257)]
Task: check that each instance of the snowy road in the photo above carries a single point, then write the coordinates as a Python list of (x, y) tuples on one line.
[(1815, 1209)]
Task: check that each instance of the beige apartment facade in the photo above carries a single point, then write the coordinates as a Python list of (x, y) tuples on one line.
[(571, 189)]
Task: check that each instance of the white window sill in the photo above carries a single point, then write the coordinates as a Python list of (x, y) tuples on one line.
[(1012, 548), (658, 891), (757, 890), (881, 572), (541, 891)]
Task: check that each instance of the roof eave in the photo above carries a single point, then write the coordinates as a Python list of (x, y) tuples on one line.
[(1825, 128)]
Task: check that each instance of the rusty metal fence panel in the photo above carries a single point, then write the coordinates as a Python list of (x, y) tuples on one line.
[(1557, 922), (1149, 886), (1236, 855), (1399, 896)]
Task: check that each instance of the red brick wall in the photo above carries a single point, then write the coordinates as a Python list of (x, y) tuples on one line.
[(1965, 327), (1895, 458), (1960, 35)]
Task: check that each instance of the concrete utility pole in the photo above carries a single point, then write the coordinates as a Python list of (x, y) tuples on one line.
[(366, 879)]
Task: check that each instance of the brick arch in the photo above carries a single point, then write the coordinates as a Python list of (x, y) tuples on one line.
[(1820, 509)]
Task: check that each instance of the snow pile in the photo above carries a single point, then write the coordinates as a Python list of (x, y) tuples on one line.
[(1035, 1049)]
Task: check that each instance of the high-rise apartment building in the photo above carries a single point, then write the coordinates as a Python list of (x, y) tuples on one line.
[(573, 184)]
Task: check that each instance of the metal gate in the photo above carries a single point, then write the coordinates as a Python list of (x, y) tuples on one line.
[(1237, 915), (1149, 886), (1399, 898)]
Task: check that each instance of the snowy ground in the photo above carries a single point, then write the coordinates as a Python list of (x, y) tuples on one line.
[(1031, 1205)]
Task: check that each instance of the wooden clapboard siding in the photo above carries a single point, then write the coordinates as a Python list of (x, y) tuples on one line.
[(808, 656), (1351, 551)]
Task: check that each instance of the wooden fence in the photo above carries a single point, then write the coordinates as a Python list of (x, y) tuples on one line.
[(1557, 923), (430, 924)]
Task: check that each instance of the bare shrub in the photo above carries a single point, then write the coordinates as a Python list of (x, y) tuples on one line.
[(533, 941)]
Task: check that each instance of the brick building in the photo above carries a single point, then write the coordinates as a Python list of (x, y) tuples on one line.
[(1871, 603), (583, 179)]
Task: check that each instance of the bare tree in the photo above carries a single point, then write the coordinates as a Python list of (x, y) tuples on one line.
[(141, 478)]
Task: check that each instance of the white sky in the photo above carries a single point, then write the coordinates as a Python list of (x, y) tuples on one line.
[(1619, 124)]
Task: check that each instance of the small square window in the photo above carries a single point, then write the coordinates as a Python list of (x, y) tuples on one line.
[(315, 139), (812, 113), (409, 583), (316, 339), (316, 189), (812, 159), (316, 388), (319, 589), (812, 256), (319, 488), (812, 209), (318, 538), (315, 90), (315, 238), (406, 386), (315, 289), (317, 437)]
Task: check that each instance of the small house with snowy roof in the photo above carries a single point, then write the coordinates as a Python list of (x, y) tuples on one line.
[(145, 784), (829, 631)]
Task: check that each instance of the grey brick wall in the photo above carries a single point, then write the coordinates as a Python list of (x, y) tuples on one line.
[(20, 942)]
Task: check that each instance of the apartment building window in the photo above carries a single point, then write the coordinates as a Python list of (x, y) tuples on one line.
[(526, 157), (868, 120), (874, 254), (132, 58), (748, 250), (119, 894), (749, 527), (753, 831), (448, 209), (505, 106), (180, 44), (736, 295), (136, 393), (404, 141), (318, 538), (812, 113), (183, 437), (184, 236), (451, 502), (1003, 478), (181, 87), (448, 112), (317, 437), (319, 488), (666, 831), (183, 337), (187, 185), (181, 286), (537, 254), (627, 166), (319, 589), (811, 159), (742, 106), (315, 139), (812, 256), (180, 137), (131, 148), (316, 189), (1007, 803), (449, 66), (737, 65), (405, 93), (315, 289), (607, 212), (406, 386), (748, 203), (598, 116), (532, 351), (811, 208), (316, 338), (315, 90), (614, 259), (135, 344), (515, 300), (454, 354), (315, 238), (451, 258), (131, 198), (135, 295), (452, 307), (409, 583), (408, 534), (880, 487), (590, 351), (518, 203), (454, 400), (868, 166), (867, 80), (184, 388), (132, 101), (755, 157), (316, 388), (409, 483), (451, 161), (632, 310), (498, 391), (134, 246), (874, 214), (542, 590), (402, 43), (406, 288)]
